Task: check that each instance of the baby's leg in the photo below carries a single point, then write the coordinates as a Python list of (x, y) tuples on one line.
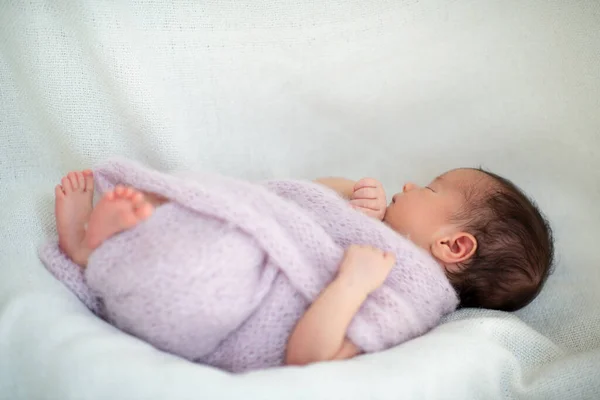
[(118, 210), (73, 206)]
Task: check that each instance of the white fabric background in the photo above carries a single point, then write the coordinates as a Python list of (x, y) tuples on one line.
[(399, 90)]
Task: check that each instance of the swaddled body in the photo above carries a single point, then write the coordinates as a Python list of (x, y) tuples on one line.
[(223, 272)]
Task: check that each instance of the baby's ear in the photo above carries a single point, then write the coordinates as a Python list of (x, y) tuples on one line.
[(454, 249)]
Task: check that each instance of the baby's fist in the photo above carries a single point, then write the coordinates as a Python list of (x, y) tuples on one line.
[(369, 198), (366, 267)]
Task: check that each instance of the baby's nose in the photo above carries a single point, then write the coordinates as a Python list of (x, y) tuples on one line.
[(408, 187)]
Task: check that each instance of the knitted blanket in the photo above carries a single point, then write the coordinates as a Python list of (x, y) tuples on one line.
[(222, 273)]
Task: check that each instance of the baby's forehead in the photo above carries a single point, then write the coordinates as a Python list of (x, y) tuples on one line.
[(465, 178)]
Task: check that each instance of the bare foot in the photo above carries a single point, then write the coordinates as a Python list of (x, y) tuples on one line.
[(73, 206), (119, 209)]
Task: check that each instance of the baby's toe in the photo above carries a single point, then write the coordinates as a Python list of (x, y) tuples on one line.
[(144, 211), (58, 192), (80, 180), (66, 185), (73, 178), (137, 199), (89, 181), (119, 190), (128, 192), (109, 195)]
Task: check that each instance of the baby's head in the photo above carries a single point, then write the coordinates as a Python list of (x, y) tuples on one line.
[(496, 247)]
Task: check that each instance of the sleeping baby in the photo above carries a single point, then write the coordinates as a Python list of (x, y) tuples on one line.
[(244, 275)]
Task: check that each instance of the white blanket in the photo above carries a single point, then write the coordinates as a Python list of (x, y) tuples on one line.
[(398, 90)]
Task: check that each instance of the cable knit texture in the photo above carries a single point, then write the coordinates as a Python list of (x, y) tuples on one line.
[(222, 273)]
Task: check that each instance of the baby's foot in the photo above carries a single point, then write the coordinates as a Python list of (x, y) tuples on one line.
[(119, 209), (73, 206)]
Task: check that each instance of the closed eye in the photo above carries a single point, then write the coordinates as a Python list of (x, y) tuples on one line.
[(430, 189)]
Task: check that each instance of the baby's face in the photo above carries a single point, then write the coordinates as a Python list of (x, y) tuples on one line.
[(424, 213)]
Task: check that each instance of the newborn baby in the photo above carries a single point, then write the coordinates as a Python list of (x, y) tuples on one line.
[(486, 236)]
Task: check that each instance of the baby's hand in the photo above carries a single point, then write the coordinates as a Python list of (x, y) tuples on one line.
[(366, 267), (369, 198)]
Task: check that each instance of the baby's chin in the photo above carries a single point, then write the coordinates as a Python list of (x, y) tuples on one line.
[(385, 216), (385, 221)]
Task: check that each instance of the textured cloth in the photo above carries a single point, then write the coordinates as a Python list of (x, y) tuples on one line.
[(396, 90), (222, 273)]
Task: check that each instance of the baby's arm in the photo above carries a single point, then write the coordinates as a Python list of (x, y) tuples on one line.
[(344, 187), (320, 334)]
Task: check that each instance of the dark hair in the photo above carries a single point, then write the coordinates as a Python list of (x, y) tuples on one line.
[(515, 248)]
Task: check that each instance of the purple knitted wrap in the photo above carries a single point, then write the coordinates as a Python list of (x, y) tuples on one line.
[(222, 273)]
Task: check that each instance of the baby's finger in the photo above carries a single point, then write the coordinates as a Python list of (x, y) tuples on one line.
[(365, 203), (366, 182), (365, 193)]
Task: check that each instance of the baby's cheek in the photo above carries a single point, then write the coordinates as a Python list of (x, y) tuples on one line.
[(395, 219)]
